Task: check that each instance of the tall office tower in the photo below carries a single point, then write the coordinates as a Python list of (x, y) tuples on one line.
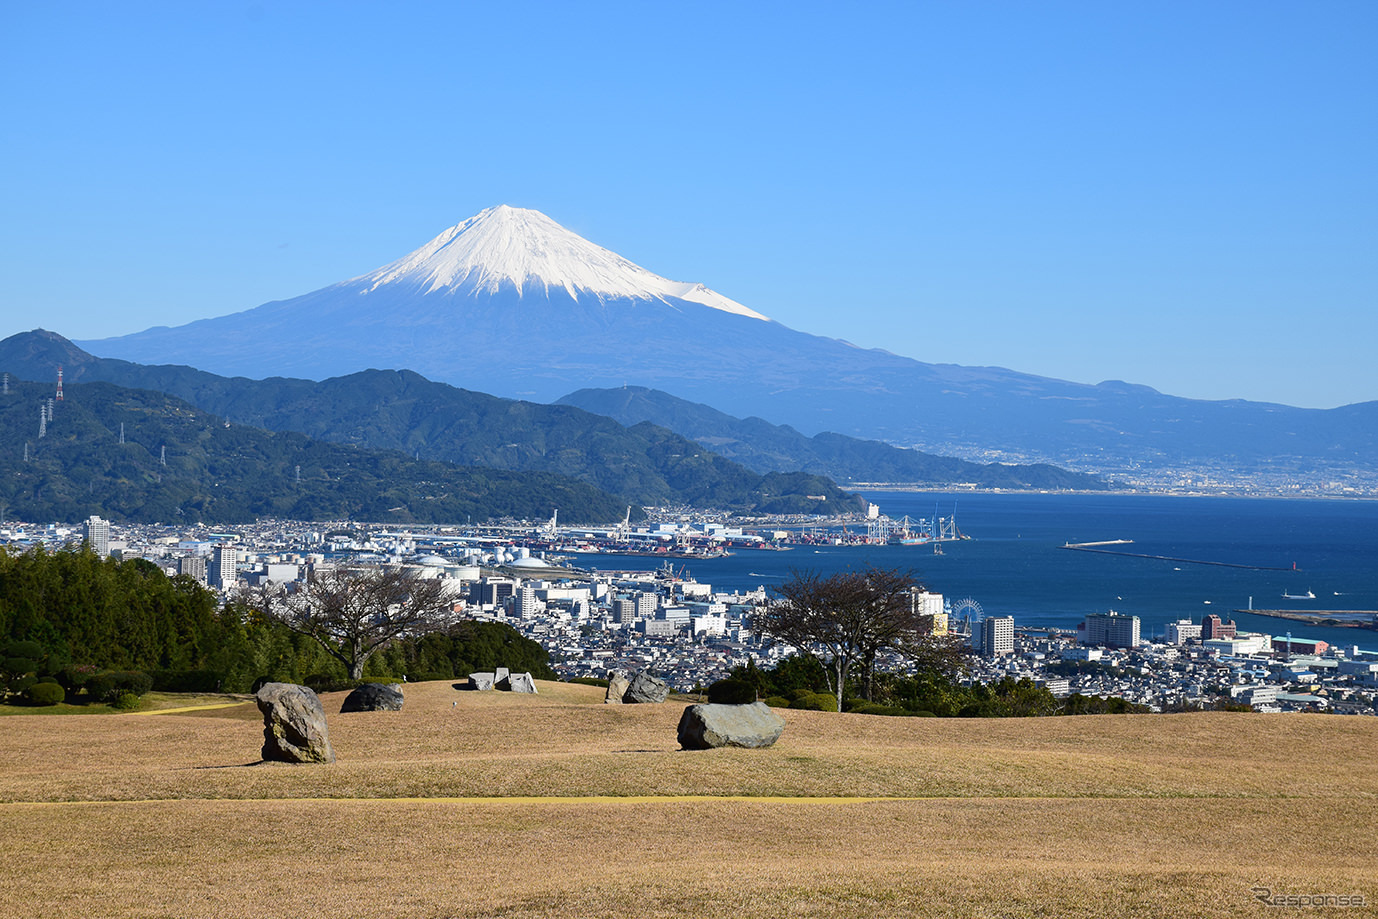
[(224, 567), (997, 636), (96, 532)]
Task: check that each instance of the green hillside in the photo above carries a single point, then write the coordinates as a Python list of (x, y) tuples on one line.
[(179, 463), (399, 410), (766, 447)]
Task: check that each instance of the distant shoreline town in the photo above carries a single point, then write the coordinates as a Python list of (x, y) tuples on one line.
[(594, 621)]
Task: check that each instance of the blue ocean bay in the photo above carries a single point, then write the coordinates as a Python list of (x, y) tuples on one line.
[(1014, 563)]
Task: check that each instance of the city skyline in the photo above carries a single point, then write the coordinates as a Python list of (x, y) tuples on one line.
[(1175, 198)]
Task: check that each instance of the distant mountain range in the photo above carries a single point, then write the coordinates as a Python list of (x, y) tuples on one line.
[(398, 410), (766, 447), (511, 303), (132, 455)]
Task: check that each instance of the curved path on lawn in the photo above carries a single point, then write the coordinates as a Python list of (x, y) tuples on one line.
[(190, 708)]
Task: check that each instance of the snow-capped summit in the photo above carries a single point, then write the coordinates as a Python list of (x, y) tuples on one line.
[(525, 250)]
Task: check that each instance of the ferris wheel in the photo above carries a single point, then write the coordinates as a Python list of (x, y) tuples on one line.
[(966, 618)]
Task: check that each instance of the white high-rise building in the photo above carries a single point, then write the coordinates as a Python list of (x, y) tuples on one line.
[(1112, 629), (646, 603), (224, 567), (997, 636), (930, 606), (1183, 631), (193, 566), (96, 533), (524, 603)]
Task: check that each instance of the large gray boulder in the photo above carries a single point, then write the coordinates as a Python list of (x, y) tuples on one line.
[(481, 682), (519, 682), (293, 725), (374, 697), (703, 727), (646, 688), (617, 688)]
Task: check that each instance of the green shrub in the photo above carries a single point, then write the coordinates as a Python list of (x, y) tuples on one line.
[(18, 666), (31, 650), (320, 682), (74, 678), (815, 702), (186, 680), (325, 682), (776, 701), (731, 692), (873, 708), (108, 686), (45, 693), (125, 702), (590, 681)]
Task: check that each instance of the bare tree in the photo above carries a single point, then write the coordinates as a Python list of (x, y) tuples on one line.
[(352, 612), (845, 619)]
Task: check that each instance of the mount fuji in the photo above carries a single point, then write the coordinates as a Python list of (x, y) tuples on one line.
[(509, 302)]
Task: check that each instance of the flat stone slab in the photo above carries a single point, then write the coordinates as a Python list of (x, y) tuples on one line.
[(482, 681), (706, 726)]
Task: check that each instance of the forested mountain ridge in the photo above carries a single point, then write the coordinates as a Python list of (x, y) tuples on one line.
[(763, 447), (141, 456), (643, 464)]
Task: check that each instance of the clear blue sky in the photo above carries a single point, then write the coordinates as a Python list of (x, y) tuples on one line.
[(1180, 194)]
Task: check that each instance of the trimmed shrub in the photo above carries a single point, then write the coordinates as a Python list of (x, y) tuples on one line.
[(776, 701), (590, 681), (75, 677), (873, 708), (815, 702), (45, 693), (27, 649), (18, 666), (125, 702), (108, 686), (321, 682), (186, 680), (731, 692), (325, 682)]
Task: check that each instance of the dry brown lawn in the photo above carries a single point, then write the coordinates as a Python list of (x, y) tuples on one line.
[(488, 805)]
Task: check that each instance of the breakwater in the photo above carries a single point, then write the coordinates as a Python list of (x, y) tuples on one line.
[(1096, 547), (1332, 618)]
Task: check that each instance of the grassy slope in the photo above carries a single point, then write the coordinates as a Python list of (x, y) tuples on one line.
[(428, 813)]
